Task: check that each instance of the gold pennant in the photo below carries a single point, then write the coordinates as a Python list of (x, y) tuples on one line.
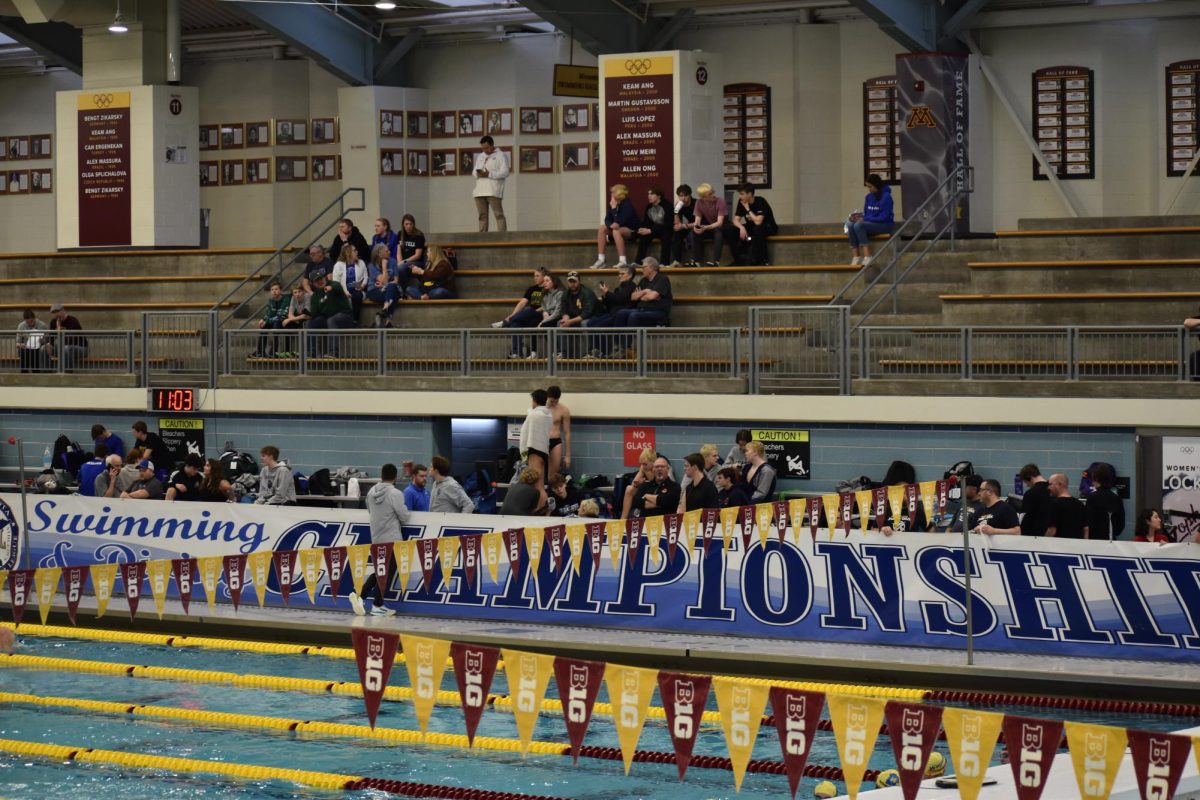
[(691, 529), (856, 722), (1096, 754), (741, 706), (491, 546), (258, 567), (358, 556), (528, 674), (159, 573), (210, 568), (615, 529), (46, 579), (447, 556), (796, 509), (575, 535), (863, 499), (535, 539), (653, 529), (1195, 739), (928, 490), (729, 518), (403, 551), (972, 737), (763, 513), (832, 504), (629, 691), (896, 501), (103, 577), (3, 578), (310, 567), (426, 661)]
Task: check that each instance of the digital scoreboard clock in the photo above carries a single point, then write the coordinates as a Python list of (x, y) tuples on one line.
[(173, 401)]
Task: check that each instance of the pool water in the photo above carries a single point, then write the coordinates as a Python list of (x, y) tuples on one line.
[(555, 775)]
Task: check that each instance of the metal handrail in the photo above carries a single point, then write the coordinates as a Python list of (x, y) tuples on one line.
[(339, 202)]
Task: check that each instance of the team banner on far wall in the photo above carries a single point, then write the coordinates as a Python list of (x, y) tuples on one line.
[(1181, 485), (1030, 595), (105, 202)]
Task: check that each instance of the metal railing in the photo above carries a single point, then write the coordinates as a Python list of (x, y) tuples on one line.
[(179, 348), (90, 352), (799, 349), (276, 264), (941, 205)]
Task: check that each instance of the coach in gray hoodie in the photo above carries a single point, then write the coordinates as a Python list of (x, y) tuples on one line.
[(385, 503)]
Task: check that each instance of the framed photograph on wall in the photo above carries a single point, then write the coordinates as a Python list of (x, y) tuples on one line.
[(418, 124), (595, 116), (291, 131), (291, 169), (40, 146), (444, 124), (466, 160), (443, 162), (537, 158), (499, 121), (576, 117), (325, 168), (258, 170), (537, 119), (391, 123), (233, 136), (210, 137), (577, 157), (18, 148), (596, 154), (258, 134), (18, 181), (233, 172), (418, 163), (3, 148), (470, 122), (324, 130), (41, 181), (391, 161), (210, 173)]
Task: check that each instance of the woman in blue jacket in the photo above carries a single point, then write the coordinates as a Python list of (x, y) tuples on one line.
[(876, 218), (619, 224)]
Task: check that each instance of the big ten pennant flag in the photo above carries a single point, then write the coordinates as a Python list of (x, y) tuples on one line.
[(404, 550), (359, 556), (578, 684), (686, 532), (535, 540), (103, 576), (554, 540), (741, 706), (310, 568), (527, 674), (426, 558), (763, 512), (595, 533), (470, 555), (832, 504), (615, 532), (683, 699), (812, 514), (235, 577), (132, 575), (474, 668), (798, 515), (493, 547), (258, 568), (856, 723), (74, 579), (1032, 745), (1158, 761), (447, 556), (375, 651), (972, 738), (746, 526), (728, 522), (797, 714), (910, 504), (782, 519), (381, 561), (46, 579), (879, 500), (672, 527), (896, 501), (928, 500), (285, 569), (512, 548), (20, 586), (653, 527), (942, 489), (634, 527), (335, 566), (575, 541), (863, 500), (159, 574), (629, 691), (426, 661), (3, 579), (846, 511), (913, 728), (209, 568), (1096, 753)]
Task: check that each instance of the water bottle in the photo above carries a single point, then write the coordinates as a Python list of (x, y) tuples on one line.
[(47, 460), (1018, 486)]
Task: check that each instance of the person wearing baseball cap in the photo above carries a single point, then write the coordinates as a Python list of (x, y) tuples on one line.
[(330, 307), (146, 487), (579, 305), (970, 491), (73, 347)]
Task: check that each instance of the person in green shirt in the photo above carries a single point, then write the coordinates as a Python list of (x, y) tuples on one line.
[(272, 318), (330, 309)]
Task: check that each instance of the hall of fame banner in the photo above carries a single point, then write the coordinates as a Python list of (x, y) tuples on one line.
[(716, 573)]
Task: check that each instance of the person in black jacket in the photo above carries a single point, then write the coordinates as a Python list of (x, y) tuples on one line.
[(754, 221), (656, 224), (1035, 503), (698, 490), (1105, 511), (729, 491), (612, 301), (348, 234), (657, 497)]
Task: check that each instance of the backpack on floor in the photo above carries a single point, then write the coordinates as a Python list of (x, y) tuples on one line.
[(235, 465), (321, 482), (479, 488), (68, 455)]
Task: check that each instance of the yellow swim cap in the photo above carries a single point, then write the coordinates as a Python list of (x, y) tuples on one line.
[(825, 790), (936, 766)]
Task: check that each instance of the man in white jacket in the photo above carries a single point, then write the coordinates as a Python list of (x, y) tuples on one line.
[(385, 504), (535, 435), (491, 168)]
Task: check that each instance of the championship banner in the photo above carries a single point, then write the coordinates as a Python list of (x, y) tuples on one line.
[(335, 565), (375, 651), (797, 714), (856, 722), (103, 576), (527, 675), (132, 575), (972, 737), (474, 669), (46, 579), (426, 661), (741, 706), (235, 576), (1096, 754), (209, 568), (683, 699), (1158, 761), (1032, 745), (159, 574), (358, 556), (74, 579), (20, 585), (578, 684), (105, 202), (258, 569), (629, 691), (285, 568), (932, 95), (636, 97), (913, 729)]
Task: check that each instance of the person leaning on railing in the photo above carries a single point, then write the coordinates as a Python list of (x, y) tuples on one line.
[(877, 217)]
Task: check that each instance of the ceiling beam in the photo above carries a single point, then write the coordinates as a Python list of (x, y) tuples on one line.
[(392, 59), (600, 26), (34, 11), (59, 43), (912, 23), (667, 33)]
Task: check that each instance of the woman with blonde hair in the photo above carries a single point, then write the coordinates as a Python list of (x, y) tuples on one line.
[(712, 461), (435, 281), (711, 216), (645, 471), (759, 475), (350, 272), (619, 224), (524, 497)]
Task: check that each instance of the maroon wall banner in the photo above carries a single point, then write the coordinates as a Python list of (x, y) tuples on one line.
[(105, 206), (639, 128)]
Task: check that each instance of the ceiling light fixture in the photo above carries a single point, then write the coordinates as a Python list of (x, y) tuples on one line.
[(118, 23), (385, 5)]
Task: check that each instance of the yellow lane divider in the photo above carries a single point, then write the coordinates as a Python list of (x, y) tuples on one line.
[(319, 780), (347, 653)]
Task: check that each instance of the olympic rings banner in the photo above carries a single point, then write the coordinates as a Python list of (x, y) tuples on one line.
[(717, 573), (105, 215)]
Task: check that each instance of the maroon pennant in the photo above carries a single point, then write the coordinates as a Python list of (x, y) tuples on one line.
[(781, 518), (683, 699), (132, 574), (381, 560), (913, 728), (375, 651), (335, 565), (709, 519), (20, 581), (745, 519), (513, 538), (470, 551), (879, 500), (633, 529), (474, 668), (910, 503), (235, 577), (796, 716), (672, 522), (595, 533), (1158, 761), (941, 490), (184, 570), (554, 535), (427, 554), (578, 684), (74, 579), (846, 510), (285, 565), (1032, 745), (812, 511)]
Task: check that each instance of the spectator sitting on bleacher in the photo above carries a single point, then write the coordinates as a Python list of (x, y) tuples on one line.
[(877, 217), (527, 313), (298, 312), (32, 343), (184, 484), (384, 235), (330, 308), (656, 224), (435, 280), (273, 317), (90, 470), (129, 472), (447, 495), (105, 484), (383, 286), (611, 302), (754, 221), (552, 303), (213, 486), (759, 475), (658, 496), (653, 298), (74, 348), (412, 251), (348, 234), (146, 487), (729, 492), (566, 496), (276, 486), (351, 273), (525, 497), (683, 221), (579, 303), (712, 461), (711, 220), (101, 435), (150, 442), (416, 496), (698, 490), (318, 259), (619, 223)]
